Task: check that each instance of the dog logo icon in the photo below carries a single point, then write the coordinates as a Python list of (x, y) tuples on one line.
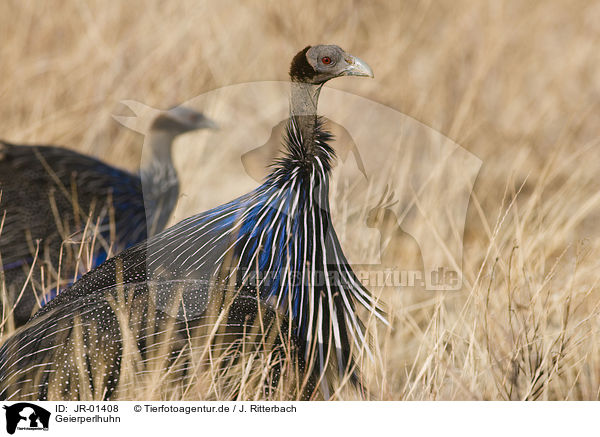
[(26, 416)]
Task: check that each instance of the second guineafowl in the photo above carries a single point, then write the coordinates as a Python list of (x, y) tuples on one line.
[(49, 193)]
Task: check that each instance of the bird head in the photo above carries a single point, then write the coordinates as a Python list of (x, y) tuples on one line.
[(318, 64), (179, 120)]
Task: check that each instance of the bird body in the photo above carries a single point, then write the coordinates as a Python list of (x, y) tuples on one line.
[(274, 248), (52, 195)]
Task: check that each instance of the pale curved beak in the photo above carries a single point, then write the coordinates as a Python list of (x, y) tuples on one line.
[(358, 67), (207, 123)]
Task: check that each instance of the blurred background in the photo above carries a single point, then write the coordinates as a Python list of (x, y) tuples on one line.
[(516, 84)]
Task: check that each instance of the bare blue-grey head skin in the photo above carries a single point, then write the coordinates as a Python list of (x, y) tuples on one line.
[(179, 120), (169, 124), (281, 232), (310, 69), (317, 64)]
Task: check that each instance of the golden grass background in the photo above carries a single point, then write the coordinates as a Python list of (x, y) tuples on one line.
[(515, 83)]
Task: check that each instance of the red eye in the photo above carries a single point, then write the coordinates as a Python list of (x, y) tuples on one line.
[(326, 60)]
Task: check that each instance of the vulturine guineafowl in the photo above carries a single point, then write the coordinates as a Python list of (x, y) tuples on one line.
[(50, 193), (268, 257)]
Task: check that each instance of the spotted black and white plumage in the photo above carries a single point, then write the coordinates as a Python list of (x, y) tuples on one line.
[(49, 193), (274, 246)]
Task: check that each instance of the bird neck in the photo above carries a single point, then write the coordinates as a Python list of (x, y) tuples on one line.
[(157, 147), (157, 164), (303, 112), (160, 184)]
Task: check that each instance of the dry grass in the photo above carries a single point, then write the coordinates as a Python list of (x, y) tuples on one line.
[(515, 83), (210, 359)]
